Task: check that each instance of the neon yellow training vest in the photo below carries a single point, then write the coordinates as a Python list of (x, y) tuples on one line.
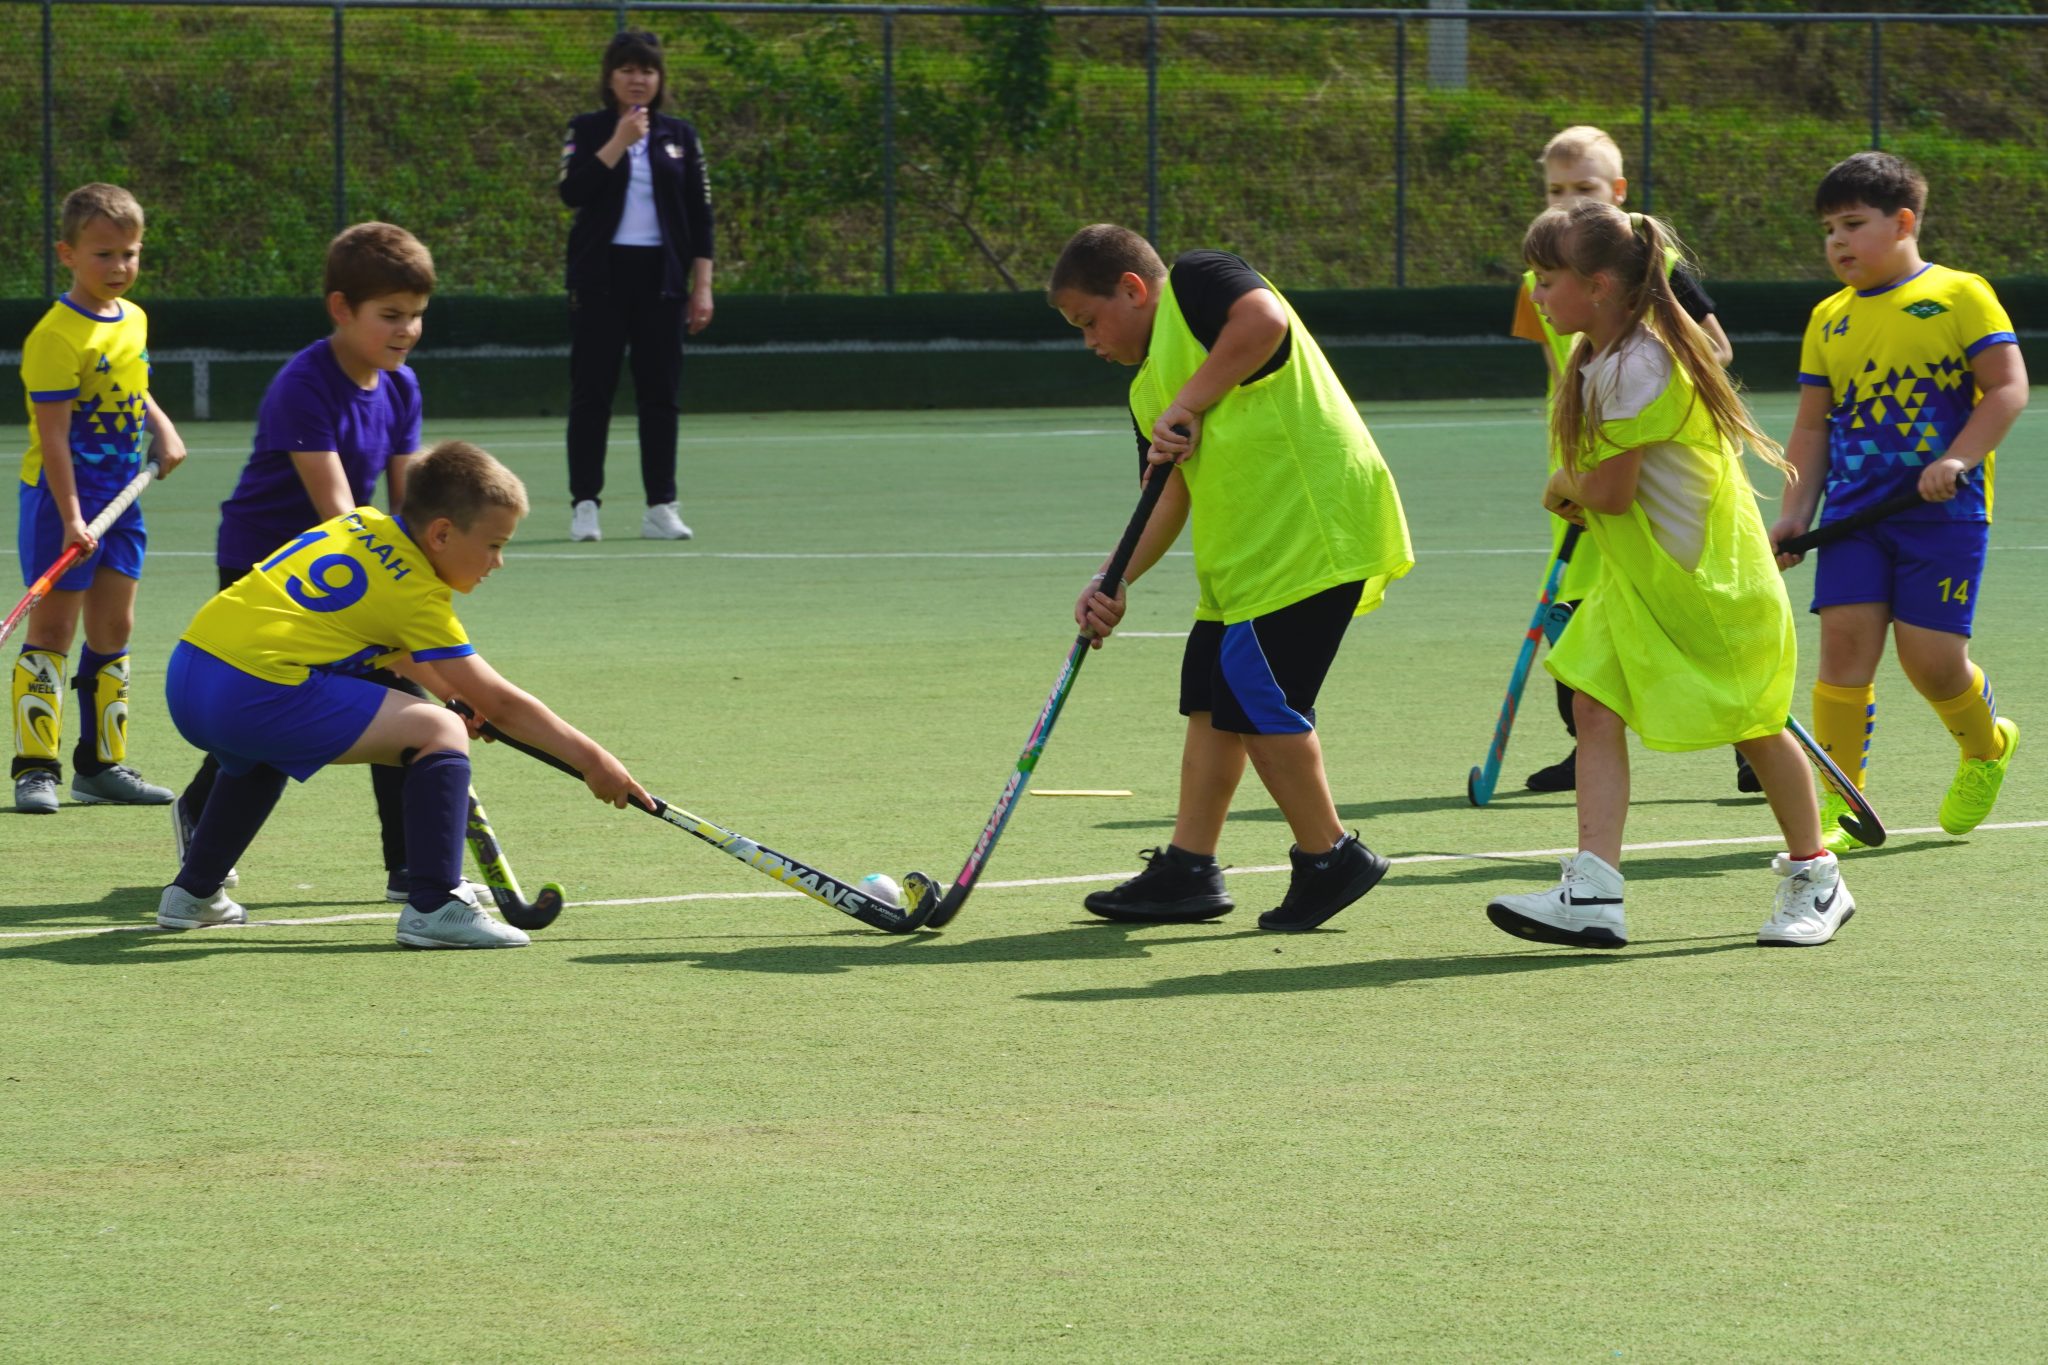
[(1689, 660), (1289, 494)]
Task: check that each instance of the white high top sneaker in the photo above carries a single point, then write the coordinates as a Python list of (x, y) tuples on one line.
[(459, 923), (1582, 911), (1813, 902), (180, 909)]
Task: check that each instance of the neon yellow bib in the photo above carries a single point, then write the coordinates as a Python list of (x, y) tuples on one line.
[(1289, 494), (1689, 660)]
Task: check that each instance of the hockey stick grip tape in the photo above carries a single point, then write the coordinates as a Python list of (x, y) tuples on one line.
[(497, 736), (1835, 530), (1155, 487)]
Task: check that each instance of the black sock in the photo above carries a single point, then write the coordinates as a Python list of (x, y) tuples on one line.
[(387, 784), (436, 813), (234, 813), (1193, 862)]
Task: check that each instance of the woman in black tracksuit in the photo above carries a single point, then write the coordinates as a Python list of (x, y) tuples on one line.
[(639, 275)]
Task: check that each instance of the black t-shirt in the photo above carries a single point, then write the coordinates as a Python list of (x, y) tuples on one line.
[(1691, 296), (1205, 284)]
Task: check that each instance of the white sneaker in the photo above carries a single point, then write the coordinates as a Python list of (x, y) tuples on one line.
[(1813, 902), (181, 835), (583, 522), (180, 909), (398, 889), (1582, 911), (457, 924), (664, 521)]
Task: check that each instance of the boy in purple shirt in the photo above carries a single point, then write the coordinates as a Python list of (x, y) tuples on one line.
[(339, 413)]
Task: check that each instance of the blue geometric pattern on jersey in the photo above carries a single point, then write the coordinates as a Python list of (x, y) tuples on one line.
[(103, 430), (1889, 426)]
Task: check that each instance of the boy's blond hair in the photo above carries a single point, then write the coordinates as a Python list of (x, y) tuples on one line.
[(458, 480), (1099, 255), (373, 259), (1584, 142), (97, 200)]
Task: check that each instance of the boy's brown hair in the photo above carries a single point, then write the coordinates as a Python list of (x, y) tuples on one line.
[(373, 259), (458, 480), (1584, 142), (1875, 180), (97, 200), (1097, 256)]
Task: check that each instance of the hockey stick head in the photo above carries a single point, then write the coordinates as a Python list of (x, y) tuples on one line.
[(1861, 819), (924, 899), (539, 914)]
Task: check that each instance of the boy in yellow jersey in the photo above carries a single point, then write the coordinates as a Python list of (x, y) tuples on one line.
[(1910, 376), (266, 679), (86, 368), (1297, 529), (1582, 164)]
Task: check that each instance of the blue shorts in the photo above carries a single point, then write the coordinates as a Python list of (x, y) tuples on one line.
[(245, 721), (1927, 572), (39, 538)]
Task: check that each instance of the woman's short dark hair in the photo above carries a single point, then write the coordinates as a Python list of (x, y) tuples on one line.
[(633, 47)]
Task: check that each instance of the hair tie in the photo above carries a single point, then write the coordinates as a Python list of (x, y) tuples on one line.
[(1635, 223)]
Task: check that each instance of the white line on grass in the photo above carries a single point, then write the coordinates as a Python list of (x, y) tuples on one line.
[(1112, 877)]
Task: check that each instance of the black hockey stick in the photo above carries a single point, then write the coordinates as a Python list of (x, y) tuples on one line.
[(1861, 819), (1855, 521), (498, 876), (826, 890), (929, 904)]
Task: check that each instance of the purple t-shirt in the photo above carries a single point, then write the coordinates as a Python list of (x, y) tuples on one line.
[(313, 405)]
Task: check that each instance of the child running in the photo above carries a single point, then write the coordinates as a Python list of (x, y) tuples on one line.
[(1909, 376), (1297, 529), (266, 680), (1687, 637)]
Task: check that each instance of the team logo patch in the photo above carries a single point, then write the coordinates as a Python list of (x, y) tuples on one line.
[(1926, 308)]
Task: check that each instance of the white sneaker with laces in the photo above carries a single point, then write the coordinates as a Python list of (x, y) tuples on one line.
[(459, 923), (1582, 911), (583, 522), (1813, 902), (181, 835), (664, 521), (180, 909)]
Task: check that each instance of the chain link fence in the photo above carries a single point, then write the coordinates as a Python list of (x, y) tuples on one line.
[(863, 148)]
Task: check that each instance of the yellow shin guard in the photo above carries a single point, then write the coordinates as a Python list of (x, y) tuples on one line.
[(105, 694), (38, 707), (1844, 718)]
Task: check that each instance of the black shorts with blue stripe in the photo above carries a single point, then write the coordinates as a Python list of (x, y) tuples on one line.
[(1261, 677)]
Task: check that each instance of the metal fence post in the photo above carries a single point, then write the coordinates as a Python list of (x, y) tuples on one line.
[(1152, 122), (1649, 94), (889, 151), (340, 127), (1400, 151), (49, 148), (1876, 85)]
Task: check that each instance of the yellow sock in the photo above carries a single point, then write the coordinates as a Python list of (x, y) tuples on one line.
[(1972, 717), (1843, 721), (38, 708)]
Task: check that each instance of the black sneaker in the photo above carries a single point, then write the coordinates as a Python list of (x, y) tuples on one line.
[(1168, 891), (1746, 779), (1324, 883), (1561, 776)]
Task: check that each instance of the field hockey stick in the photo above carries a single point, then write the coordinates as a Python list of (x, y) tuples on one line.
[(1480, 782), (923, 896), (498, 876), (1861, 819), (798, 876), (1855, 521), (40, 589)]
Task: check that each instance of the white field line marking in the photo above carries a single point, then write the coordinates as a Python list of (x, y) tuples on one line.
[(1092, 877)]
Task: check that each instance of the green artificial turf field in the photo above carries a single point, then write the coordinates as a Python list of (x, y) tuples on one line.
[(702, 1117)]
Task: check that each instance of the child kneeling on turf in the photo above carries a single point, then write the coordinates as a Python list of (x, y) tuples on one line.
[(265, 680), (1687, 637), (1297, 529)]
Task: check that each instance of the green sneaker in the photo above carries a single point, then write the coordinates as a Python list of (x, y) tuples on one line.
[(1833, 837), (1971, 795)]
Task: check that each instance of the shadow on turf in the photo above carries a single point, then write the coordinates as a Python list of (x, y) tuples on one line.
[(848, 949), (1396, 971), (130, 912), (121, 905), (1420, 805), (1638, 867)]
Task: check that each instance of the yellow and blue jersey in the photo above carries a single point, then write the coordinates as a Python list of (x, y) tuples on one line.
[(352, 593), (100, 365), (1896, 362)]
